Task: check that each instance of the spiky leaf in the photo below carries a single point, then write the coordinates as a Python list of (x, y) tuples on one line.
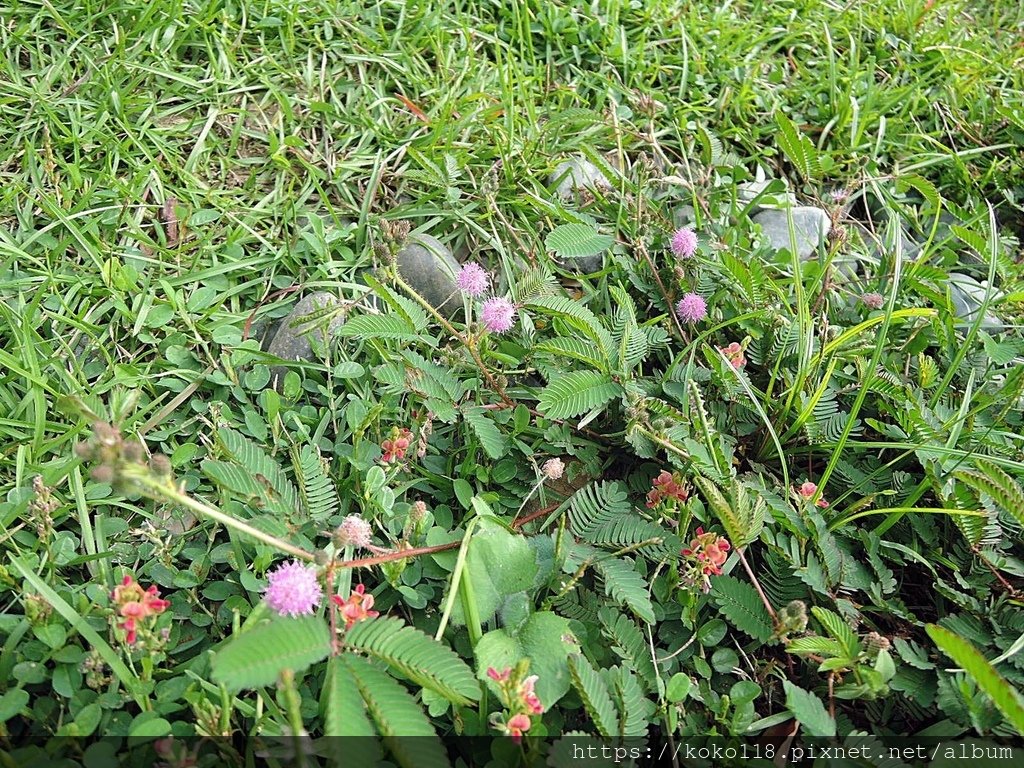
[(809, 711), (627, 587), (578, 317), (319, 496), (991, 480), (577, 393), (597, 699), (258, 656), (741, 605), (494, 443), (417, 656), (837, 627), (1006, 698), (576, 241), (799, 149), (396, 716)]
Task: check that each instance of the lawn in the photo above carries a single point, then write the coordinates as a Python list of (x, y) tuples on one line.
[(645, 375)]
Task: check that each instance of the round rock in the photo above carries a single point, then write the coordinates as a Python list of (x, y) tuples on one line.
[(575, 174), (811, 226), (968, 296), (297, 332), (429, 267)]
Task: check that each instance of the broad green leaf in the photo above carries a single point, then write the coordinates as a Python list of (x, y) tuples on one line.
[(678, 687), (499, 564), (546, 640), (809, 711)]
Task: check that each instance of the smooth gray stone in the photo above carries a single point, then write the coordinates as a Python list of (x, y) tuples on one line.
[(575, 174), (968, 296), (429, 267), (811, 226), (585, 265), (293, 339)]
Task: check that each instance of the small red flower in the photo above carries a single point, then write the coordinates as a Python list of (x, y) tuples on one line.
[(517, 726), (529, 698), (395, 448), (499, 677), (135, 604), (357, 607), (807, 490), (734, 353), (667, 485)]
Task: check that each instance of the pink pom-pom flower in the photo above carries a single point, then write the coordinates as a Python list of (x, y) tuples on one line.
[(684, 243), (293, 589), (498, 314), (692, 308), (472, 279)]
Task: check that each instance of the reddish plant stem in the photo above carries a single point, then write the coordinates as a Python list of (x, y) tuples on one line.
[(366, 562), (757, 584)]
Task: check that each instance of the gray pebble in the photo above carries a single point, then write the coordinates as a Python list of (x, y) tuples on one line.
[(575, 174), (811, 226), (293, 339), (968, 296), (430, 268)]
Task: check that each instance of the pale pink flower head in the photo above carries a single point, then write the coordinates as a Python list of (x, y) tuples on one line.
[(684, 243), (553, 469), (692, 308), (472, 279), (498, 314), (873, 300), (354, 532), (293, 589)]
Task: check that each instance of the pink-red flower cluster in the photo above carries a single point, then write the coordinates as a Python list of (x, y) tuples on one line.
[(734, 353), (357, 607), (134, 604), (395, 448), (519, 699), (667, 486), (807, 491), (707, 552)]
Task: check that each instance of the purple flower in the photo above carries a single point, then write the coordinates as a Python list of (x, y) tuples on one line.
[(294, 589), (873, 300), (684, 243), (498, 314), (692, 308), (472, 279)]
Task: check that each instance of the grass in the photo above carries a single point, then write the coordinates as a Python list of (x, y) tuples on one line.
[(174, 176)]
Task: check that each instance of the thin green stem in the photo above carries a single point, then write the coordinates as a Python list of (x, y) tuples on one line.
[(467, 341), (168, 491)]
